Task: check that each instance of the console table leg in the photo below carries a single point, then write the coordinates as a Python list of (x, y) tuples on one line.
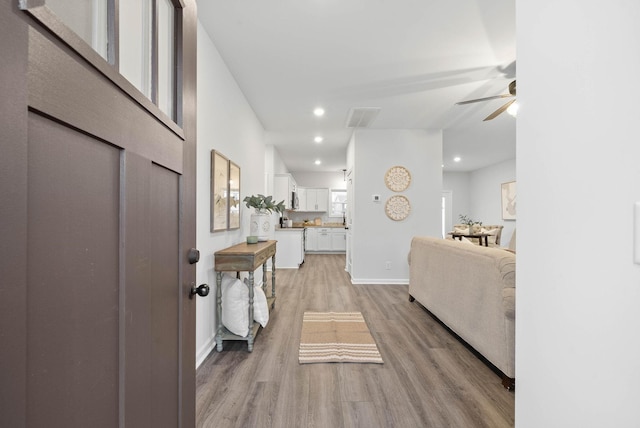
[(264, 276), (219, 310), (250, 335), (273, 279)]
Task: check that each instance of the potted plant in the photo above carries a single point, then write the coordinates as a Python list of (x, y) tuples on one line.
[(469, 222), (264, 206), (262, 203)]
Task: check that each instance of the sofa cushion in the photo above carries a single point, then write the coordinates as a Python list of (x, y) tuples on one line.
[(492, 235), (463, 230)]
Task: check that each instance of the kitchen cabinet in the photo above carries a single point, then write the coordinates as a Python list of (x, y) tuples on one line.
[(314, 199), (283, 187), (302, 199), (312, 239), (339, 240), (326, 239)]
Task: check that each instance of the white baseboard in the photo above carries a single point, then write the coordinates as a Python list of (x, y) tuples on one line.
[(372, 281), (205, 350)]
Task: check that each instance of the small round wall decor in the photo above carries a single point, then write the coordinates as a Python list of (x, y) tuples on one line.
[(397, 207), (397, 178)]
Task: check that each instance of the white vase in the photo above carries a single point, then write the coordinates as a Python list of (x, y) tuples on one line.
[(261, 225)]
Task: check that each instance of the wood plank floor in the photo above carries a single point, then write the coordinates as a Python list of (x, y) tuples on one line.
[(428, 379)]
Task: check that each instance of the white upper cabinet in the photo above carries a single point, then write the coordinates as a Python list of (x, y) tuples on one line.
[(283, 188), (302, 199), (314, 199)]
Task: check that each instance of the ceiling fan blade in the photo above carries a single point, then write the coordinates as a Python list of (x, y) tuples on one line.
[(495, 97), (500, 110)]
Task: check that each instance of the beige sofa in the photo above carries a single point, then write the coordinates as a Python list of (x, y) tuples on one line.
[(471, 289)]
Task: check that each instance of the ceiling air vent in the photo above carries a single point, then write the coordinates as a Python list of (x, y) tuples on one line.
[(361, 117)]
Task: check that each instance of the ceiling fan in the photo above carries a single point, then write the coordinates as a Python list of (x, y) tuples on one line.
[(512, 93)]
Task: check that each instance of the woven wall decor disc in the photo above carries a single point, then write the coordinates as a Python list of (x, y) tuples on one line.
[(397, 207), (397, 178)]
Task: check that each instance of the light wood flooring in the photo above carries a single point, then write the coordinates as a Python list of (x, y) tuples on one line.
[(428, 379)]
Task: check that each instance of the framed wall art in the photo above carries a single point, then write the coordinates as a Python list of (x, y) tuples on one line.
[(225, 193), (234, 196), (508, 197), (219, 192)]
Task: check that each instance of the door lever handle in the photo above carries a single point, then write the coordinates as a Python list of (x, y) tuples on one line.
[(202, 290)]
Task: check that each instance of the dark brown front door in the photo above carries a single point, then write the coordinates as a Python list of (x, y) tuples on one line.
[(97, 218)]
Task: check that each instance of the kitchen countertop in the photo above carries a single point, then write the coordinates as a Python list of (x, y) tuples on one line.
[(310, 224), (302, 226)]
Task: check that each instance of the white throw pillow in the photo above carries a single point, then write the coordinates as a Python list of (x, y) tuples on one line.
[(466, 241), (492, 234), (489, 231), (235, 305), (260, 306)]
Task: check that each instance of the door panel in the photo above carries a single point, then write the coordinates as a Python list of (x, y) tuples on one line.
[(165, 296), (72, 300), (86, 107), (13, 218), (152, 306)]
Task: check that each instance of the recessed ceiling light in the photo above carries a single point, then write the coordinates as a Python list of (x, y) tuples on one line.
[(318, 139), (513, 109), (457, 159), (318, 162), (319, 111)]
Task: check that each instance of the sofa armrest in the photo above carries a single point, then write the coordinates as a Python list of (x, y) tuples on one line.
[(509, 302), (509, 289)]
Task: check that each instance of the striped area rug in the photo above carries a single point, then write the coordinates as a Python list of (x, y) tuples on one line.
[(336, 337)]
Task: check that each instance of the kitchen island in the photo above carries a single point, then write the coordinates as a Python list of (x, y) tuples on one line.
[(294, 242), (290, 247)]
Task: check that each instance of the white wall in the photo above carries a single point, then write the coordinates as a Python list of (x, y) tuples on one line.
[(376, 238), (458, 183), (493, 141), (485, 195), (477, 194), (578, 294), (330, 180), (273, 164), (226, 123)]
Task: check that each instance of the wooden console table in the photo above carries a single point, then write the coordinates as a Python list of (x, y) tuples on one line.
[(244, 258)]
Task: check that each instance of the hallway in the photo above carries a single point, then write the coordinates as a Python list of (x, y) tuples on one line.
[(428, 378)]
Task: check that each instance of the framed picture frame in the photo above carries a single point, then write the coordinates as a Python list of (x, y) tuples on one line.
[(234, 196), (508, 198), (219, 192)]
